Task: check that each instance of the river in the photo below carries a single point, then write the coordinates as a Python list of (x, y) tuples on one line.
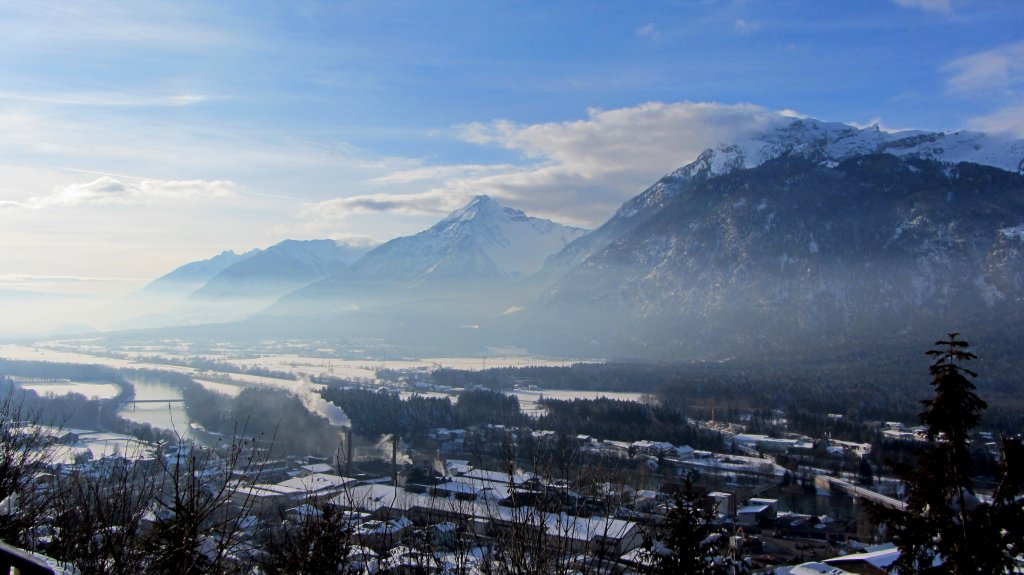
[(163, 415)]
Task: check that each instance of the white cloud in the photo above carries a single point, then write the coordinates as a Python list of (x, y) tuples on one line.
[(577, 172), (928, 5), (998, 71), (587, 168), (1008, 121), (187, 189), (110, 190), (791, 113)]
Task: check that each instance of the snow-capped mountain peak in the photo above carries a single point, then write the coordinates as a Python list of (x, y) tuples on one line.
[(481, 209), (482, 238), (831, 142)]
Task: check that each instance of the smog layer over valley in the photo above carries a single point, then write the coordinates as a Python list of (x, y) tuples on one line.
[(501, 288)]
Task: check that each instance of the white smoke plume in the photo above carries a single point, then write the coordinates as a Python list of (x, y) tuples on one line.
[(384, 447), (313, 402)]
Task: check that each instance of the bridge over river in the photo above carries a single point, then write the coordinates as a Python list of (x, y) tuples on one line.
[(135, 402), (854, 490)]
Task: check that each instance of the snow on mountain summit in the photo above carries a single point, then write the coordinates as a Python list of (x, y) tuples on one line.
[(479, 209), (828, 144), (482, 238), (832, 142)]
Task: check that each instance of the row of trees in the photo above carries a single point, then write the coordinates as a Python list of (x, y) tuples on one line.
[(806, 389), (621, 420), (374, 414), (208, 364)]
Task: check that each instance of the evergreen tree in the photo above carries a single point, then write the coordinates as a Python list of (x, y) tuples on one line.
[(688, 538), (944, 527)]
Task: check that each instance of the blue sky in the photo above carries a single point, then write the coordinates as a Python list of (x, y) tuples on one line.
[(137, 136)]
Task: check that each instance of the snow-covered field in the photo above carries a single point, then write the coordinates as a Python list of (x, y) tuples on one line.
[(232, 384), (88, 389)]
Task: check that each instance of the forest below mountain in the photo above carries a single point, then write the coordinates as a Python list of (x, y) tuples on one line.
[(869, 385)]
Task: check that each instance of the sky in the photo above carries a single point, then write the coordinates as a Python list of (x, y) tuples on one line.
[(138, 136)]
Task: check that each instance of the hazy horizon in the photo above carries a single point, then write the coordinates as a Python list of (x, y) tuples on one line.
[(140, 139)]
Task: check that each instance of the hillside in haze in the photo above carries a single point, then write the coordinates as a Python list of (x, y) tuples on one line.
[(279, 269), (229, 286), (809, 236), (187, 278), (478, 251)]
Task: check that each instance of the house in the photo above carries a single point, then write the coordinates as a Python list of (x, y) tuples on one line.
[(498, 477), (683, 452), (721, 503), (579, 534), (773, 504), (455, 489), (814, 568), (377, 533), (754, 515), (763, 442), (457, 466), (445, 434), (655, 448), (874, 562), (316, 484), (443, 534), (544, 437), (582, 440), (314, 468), (265, 497), (896, 430)]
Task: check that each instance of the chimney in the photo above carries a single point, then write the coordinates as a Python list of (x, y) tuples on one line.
[(348, 450), (394, 459)]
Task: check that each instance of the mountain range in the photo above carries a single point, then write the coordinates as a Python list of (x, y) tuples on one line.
[(812, 235)]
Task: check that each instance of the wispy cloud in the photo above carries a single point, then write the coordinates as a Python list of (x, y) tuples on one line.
[(425, 203), (110, 190), (49, 25), (359, 240), (119, 99), (745, 26), (435, 173), (649, 31), (55, 283), (998, 70), (1008, 121), (943, 6)]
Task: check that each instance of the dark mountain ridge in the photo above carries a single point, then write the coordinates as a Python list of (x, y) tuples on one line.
[(793, 253)]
